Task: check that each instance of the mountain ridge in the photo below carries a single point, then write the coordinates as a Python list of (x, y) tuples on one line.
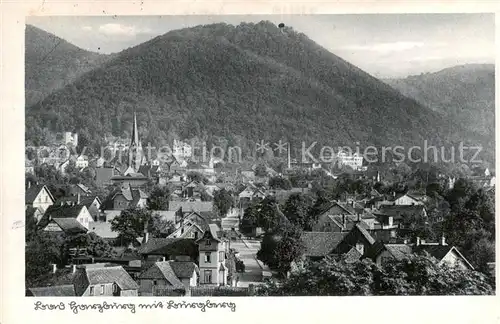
[(245, 83)]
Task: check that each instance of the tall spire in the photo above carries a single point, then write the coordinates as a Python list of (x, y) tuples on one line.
[(135, 134), (134, 155)]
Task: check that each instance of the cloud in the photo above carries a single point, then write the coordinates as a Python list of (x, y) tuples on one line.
[(122, 30), (385, 47), (87, 28)]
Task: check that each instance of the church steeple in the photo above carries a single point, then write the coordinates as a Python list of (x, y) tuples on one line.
[(135, 149)]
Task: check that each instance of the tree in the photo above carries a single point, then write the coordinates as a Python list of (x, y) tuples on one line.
[(130, 224), (280, 183), (280, 248), (160, 227), (158, 198), (223, 201), (298, 209), (94, 244), (250, 219), (416, 275), (30, 224), (196, 176), (40, 252)]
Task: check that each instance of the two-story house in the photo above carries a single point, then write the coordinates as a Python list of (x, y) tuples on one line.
[(101, 280), (38, 196), (180, 274), (70, 219), (212, 257)]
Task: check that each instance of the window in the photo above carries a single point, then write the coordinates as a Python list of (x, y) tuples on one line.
[(207, 242), (91, 293), (102, 289), (221, 256), (207, 257), (115, 288), (155, 282), (207, 276)]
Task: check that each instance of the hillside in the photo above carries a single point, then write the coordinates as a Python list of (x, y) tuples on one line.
[(245, 83), (51, 63), (463, 93)]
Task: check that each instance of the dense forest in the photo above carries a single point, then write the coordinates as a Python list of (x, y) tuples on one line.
[(51, 63), (463, 93), (242, 83)]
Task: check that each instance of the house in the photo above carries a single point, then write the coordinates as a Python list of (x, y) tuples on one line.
[(337, 217), (102, 280), (82, 161), (441, 251), (71, 219), (38, 196), (93, 203), (189, 225), (52, 291), (407, 199), (29, 167), (159, 249), (251, 192), (35, 213), (392, 216), (357, 238), (186, 206), (150, 171), (79, 189), (180, 274), (131, 179), (128, 197), (212, 258), (320, 244)]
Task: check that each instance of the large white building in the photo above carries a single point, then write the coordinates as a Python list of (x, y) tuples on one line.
[(181, 149), (355, 161)]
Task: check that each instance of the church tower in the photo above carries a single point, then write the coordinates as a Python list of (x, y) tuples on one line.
[(135, 149)]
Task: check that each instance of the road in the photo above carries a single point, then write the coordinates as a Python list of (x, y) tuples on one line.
[(247, 254)]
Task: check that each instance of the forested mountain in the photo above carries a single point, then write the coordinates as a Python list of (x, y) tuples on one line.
[(463, 93), (245, 83), (51, 63)]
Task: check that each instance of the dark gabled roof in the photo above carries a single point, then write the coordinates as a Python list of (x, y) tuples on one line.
[(33, 191), (440, 251), (84, 200), (53, 291), (168, 246), (64, 211), (318, 244), (162, 270), (361, 228), (118, 275), (184, 269), (399, 251), (70, 225), (437, 251), (398, 211)]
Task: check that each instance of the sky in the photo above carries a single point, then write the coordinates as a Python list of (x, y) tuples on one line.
[(384, 45)]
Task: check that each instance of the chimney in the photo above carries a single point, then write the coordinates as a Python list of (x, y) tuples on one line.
[(418, 241), (405, 241), (163, 259), (54, 268), (394, 194), (146, 233), (359, 217), (78, 199), (344, 223), (74, 268), (29, 184), (443, 240)]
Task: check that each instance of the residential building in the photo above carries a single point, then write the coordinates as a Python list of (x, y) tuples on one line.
[(181, 149), (93, 203), (180, 274), (52, 291), (103, 280), (82, 161), (212, 257), (38, 196), (129, 197), (66, 218), (354, 161)]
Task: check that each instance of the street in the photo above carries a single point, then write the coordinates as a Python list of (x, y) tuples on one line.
[(247, 253)]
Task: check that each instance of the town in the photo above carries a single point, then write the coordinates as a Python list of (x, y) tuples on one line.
[(144, 226)]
